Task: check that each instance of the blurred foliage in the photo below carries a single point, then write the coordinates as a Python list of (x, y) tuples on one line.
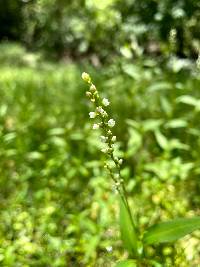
[(11, 19), (57, 206), (103, 28)]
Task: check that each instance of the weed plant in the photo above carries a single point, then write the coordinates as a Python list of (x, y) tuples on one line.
[(133, 239)]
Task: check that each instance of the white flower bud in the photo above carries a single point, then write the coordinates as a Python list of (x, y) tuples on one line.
[(92, 115), (100, 110), (109, 249), (120, 161), (111, 123), (88, 94), (105, 102), (86, 77), (111, 149), (95, 126), (106, 166), (116, 176), (105, 114), (93, 88), (114, 138)]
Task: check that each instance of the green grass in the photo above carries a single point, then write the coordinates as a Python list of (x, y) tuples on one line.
[(57, 206)]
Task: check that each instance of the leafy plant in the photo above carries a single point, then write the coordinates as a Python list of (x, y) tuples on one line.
[(168, 231)]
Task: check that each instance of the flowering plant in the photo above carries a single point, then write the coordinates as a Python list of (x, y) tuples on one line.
[(134, 241)]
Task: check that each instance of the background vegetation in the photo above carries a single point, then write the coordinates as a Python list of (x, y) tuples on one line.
[(57, 206)]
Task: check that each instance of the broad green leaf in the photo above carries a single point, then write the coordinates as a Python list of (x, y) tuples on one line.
[(131, 70), (128, 231), (126, 263), (171, 231)]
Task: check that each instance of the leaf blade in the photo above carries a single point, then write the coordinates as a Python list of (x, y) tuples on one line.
[(128, 231), (171, 231)]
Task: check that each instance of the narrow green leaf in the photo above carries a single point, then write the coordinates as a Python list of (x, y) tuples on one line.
[(135, 142), (151, 124), (159, 86), (171, 231), (176, 123), (188, 100), (126, 263), (128, 231), (162, 140)]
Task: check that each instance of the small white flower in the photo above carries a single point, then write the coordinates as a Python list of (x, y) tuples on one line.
[(95, 126), (92, 115), (100, 110), (103, 139), (111, 123), (105, 102), (104, 150), (109, 248), (114, 138)]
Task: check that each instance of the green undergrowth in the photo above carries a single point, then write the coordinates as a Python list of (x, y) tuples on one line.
[(57, 206)]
